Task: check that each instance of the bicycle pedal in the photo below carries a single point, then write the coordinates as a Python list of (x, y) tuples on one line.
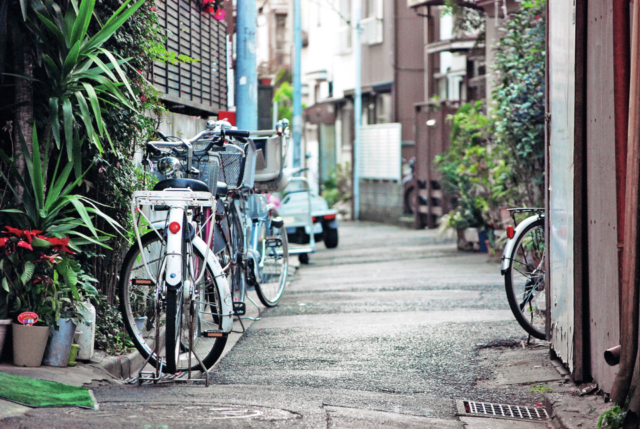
[(212, 333), (274, 242), (239, 308)]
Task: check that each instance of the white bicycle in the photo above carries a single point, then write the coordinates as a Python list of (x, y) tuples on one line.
[(174, 295)]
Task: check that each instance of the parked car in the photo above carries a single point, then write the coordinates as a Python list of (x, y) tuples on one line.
[(294, 207)]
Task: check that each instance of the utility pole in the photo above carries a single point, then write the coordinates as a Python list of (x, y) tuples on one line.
[(297, 85), (246, 73), (357, 106)]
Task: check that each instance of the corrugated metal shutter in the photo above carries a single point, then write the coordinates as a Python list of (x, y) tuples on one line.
[(189, 31), (379, 152)]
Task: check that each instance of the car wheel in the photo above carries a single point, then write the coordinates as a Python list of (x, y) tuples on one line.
[(330, 237)]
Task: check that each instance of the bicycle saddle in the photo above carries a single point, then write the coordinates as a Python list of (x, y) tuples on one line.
[(194, 185)]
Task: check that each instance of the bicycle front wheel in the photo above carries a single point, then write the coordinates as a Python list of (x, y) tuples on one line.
[(143, 309), (274, 265), (524, 280)]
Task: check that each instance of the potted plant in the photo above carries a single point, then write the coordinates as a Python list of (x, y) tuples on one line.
[(5, 321)]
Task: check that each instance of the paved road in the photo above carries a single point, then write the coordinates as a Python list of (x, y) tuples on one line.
[(383, 331)]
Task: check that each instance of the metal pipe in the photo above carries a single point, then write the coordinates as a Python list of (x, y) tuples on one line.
[(297, 85), (612, 356), (629, 288), (357, 106), (246, 73)]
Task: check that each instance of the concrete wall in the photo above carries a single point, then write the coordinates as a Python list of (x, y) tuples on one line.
[(380, 201), (176, 124)]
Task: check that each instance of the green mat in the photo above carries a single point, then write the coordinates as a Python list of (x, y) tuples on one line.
[(39, 393)]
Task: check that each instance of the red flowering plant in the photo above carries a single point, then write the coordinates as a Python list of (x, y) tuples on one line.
[(40, 274), (38, 269)]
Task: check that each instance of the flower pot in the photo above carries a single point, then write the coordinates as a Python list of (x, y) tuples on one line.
[(29, 343), (72, 356), (59, 348), (5, 324), (86, 338)]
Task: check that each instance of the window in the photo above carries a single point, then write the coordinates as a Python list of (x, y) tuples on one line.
[(344, 33), (372, 25), (281, 31)]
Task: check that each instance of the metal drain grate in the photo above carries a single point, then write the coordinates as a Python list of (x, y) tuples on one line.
[(484, 409)]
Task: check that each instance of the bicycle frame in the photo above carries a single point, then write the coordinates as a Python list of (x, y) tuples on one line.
[(178, 202)]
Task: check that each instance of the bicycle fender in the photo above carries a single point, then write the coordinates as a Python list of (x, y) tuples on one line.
[(173, 275), (508, 249), (221, 280)]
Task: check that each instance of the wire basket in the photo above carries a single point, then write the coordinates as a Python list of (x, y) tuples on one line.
[(232, 162)]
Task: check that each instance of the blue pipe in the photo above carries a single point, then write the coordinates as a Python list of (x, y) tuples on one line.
[(246, 72)]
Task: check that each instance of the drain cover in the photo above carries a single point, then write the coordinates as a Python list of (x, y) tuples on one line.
[(485, 409)]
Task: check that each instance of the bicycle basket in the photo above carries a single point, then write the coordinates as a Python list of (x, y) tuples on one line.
[(232, 162), (209, 166)]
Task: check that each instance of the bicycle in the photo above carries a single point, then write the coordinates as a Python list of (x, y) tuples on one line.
[(171, 267), (523, 268), (258, 239)]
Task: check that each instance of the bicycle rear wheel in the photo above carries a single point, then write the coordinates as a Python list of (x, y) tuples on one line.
[(139, 299), (274, 265), (524, 280)]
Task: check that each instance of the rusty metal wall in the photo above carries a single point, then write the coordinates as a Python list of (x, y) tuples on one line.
[(604, 323), (560, 218), (431, 141)]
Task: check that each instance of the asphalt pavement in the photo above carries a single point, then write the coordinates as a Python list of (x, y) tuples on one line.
[(391, 329)]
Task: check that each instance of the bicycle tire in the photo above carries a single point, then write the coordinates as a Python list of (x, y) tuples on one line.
[(522, 290), (269, 292), (237, 275), (143, 340)]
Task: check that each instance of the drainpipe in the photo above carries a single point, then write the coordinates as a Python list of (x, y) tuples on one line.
[(629, 288)]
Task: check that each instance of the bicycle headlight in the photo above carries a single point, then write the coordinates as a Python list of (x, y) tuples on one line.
[(170, 167)]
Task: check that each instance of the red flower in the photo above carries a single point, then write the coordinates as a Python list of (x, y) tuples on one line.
[(43, 280), (25, 245), (220, 14), (26, 234), (51, 258), (3, 241), (59, 244)]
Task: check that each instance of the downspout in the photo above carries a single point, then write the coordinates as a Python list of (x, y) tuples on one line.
[(629, 286)]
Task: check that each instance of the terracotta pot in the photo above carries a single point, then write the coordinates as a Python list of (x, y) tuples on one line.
[(29, 343), (5, 325)]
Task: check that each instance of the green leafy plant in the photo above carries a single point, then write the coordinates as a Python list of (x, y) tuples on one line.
[(472, 170), (612, 419), (80, 73), (56, 211), (337, 188), (110, 332), (519, 101), (284, 97), (540, 389)]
